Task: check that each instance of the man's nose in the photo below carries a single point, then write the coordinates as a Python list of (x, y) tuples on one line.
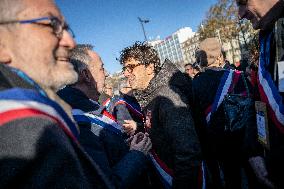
[(67, 40)]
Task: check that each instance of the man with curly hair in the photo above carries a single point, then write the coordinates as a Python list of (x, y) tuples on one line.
[(160, 91)]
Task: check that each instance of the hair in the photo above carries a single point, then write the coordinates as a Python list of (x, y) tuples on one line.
[(141, 52), (201, 58), (188, 64), (80, 58), (9, 9), (196, 66)]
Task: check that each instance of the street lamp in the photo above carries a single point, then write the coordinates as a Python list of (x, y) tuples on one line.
[(142, 22)]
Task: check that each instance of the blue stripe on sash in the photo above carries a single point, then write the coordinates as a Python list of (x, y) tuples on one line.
[(32, 95), (92, 120)]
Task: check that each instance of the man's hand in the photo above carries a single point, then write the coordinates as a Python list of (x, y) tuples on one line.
[(141, 142), (258, 166), (129, 127)]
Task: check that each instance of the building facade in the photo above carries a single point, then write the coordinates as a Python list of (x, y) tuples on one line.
[(189, 47), (171, 47)]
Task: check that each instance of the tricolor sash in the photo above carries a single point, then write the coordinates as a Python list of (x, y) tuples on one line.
[(267, 89), (165, 173), (136, 110), (100, 120), (131, 107), (17, 103), (227, 83)]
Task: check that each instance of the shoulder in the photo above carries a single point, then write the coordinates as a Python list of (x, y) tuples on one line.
[(172, 95)]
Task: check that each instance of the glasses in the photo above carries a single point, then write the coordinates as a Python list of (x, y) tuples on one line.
[(57, 25), (130, 67)]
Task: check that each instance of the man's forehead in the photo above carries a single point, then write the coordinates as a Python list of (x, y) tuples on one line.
[(36, 8), (131, 60)]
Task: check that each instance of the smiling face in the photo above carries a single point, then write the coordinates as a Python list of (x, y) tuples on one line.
[(36, 50), (139, 76)]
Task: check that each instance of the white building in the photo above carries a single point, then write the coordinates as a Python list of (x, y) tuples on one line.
[(170, 47)]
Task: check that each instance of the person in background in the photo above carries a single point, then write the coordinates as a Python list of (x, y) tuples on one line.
[(189, 70), (225, 152), (126, 110), (192, 69)]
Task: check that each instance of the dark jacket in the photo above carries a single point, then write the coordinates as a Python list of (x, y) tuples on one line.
[(231, 150), (205, 86), (109, 149), (172, 129), (275, 155), (36, 152)]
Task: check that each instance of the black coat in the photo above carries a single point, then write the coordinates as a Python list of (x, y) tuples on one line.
[(36, 152), (172, 129), (275, 155), (205, 86)]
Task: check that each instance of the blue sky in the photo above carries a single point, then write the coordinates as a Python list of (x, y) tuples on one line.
[(111, 25)]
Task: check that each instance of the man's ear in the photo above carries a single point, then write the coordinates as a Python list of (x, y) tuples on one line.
[(150, 69), (220, 60), (86, 76), (5, 57)]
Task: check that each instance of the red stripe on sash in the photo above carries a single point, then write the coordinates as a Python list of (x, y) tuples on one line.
[(107, 114), (235, 80), (208, 110), (270, 110), (133, 110), (162, 164), (11, 115)]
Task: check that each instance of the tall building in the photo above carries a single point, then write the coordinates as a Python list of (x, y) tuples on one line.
[(170, 47), (189, 47)]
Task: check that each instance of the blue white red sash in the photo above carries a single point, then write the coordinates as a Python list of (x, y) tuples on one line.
[(165, 173), (101, 120), (267, 89), (136, 110), (17, 103), (228, 80), (132, 108)]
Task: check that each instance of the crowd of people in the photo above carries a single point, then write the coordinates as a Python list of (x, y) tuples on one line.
[(211, 127)]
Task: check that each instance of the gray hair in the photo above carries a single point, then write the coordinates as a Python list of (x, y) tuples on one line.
[(80, 58), (9, 9)]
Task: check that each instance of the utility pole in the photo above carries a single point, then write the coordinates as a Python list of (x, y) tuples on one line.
[(142, 22)]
